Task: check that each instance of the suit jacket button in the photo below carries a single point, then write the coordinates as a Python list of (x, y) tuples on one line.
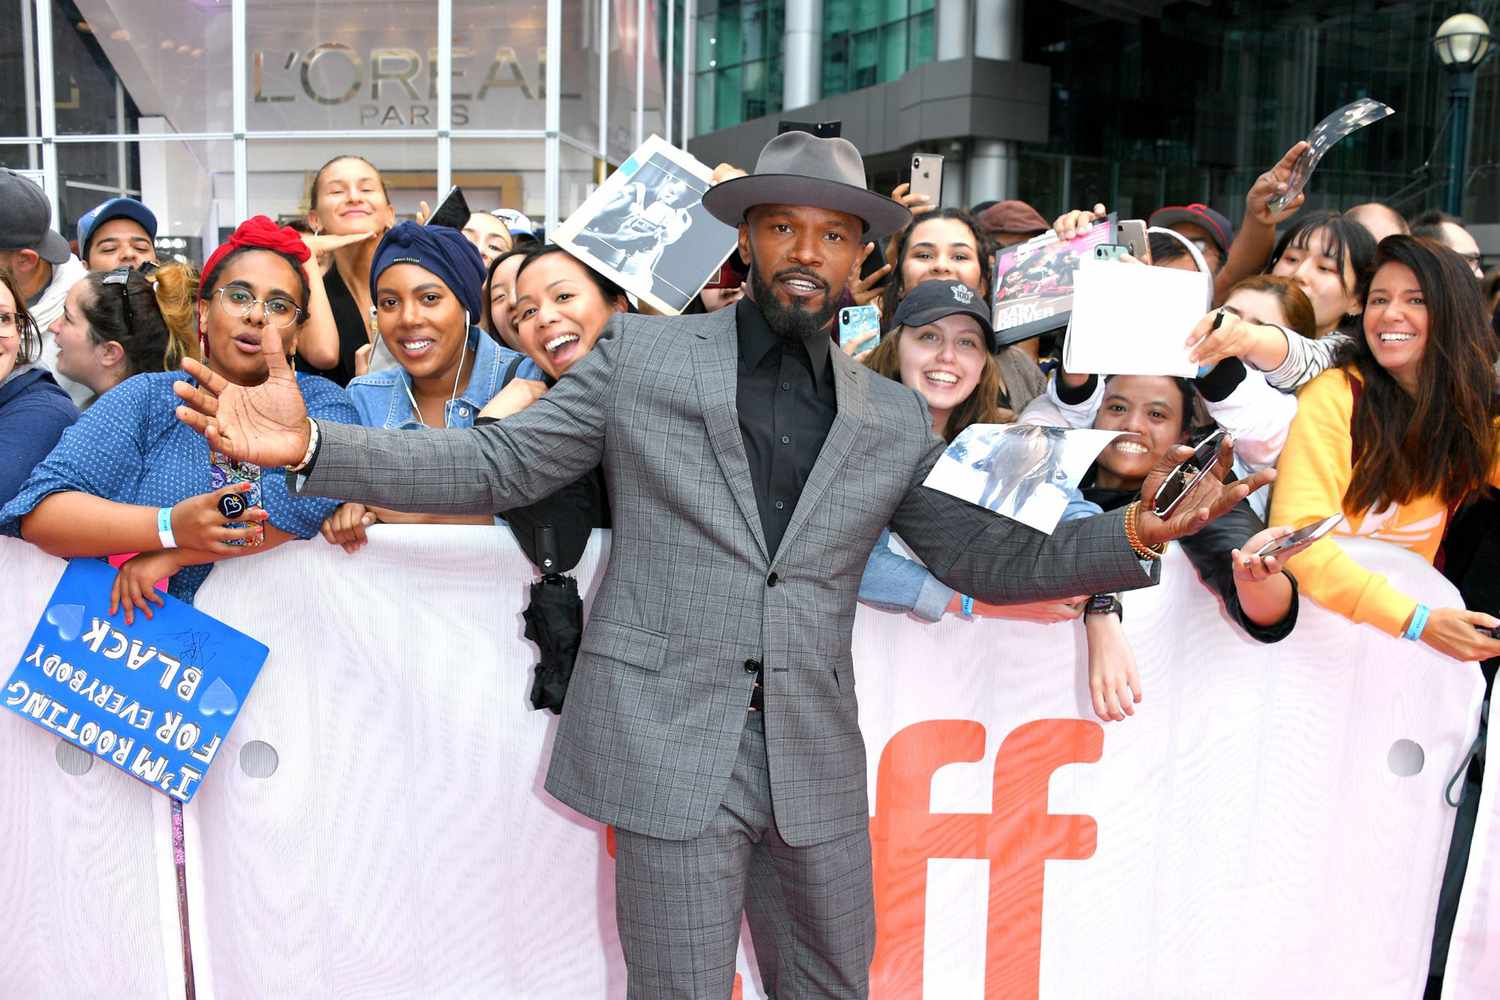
[(752, 666), (772, 580)]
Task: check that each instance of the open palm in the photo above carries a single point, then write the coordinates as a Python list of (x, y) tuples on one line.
[(265, 424)]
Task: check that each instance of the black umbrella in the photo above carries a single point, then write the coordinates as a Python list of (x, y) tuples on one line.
[(554, 621)]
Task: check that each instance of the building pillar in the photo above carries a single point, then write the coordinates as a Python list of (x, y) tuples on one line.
[(994, 172), (803, 83), (954, 30)]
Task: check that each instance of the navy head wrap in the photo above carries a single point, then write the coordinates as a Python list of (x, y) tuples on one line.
[(447, 253)]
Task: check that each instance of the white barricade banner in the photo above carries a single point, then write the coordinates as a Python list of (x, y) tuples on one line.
[(1270, 823)]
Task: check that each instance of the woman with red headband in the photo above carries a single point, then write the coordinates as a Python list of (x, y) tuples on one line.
[(130, 477)]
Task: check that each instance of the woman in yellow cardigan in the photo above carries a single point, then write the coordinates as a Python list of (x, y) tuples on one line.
[(1397, 437)]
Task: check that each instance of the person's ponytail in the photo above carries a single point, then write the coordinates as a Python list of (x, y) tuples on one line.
[(176, 288)]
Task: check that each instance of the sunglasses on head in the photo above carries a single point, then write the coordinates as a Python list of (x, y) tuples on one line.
[(121, 276), (1181, 480)]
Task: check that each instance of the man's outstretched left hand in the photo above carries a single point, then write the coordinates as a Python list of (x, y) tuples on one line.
[(1210, 498)]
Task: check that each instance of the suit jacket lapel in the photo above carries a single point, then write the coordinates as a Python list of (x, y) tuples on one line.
[(718, 384), (849, 386)]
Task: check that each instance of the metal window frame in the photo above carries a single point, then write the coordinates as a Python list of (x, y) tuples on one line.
[(41, 103)]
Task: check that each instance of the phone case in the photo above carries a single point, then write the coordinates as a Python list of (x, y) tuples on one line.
[(927, 176), (856, 321), (224, 471)]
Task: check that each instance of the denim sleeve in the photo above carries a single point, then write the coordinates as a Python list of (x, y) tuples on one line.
[(893, 582)]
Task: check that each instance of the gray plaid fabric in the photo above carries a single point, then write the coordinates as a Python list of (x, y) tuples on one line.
[(657, 703), (678, 902)]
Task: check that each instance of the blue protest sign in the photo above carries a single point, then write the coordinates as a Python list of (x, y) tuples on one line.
[(155, 699)]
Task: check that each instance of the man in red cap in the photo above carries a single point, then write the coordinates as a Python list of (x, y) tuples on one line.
[(1012, 222)]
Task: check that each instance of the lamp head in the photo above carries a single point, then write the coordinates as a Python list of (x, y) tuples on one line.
[(1462, 41)]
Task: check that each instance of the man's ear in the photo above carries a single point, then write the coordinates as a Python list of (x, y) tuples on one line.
[(25, 261), (745, 241)]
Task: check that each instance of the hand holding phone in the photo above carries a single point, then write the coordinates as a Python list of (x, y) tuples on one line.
[(1290, 544), (1181, 480)]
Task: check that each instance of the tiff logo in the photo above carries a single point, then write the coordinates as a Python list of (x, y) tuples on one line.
[(1016, 837)]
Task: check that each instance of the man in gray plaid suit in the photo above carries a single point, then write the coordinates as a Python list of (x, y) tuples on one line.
[(711, 717)]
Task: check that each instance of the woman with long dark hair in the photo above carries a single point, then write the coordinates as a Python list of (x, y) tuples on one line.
[(1398, 437)]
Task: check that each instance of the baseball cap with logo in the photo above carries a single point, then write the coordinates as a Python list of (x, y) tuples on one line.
[(515, 221), (115, 208), (26, 219), (933, 300), (1205, 218)]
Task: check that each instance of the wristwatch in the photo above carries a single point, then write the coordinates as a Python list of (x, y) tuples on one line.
[(1105, 604)]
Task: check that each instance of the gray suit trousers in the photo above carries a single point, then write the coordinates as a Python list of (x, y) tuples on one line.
[(679, 902)]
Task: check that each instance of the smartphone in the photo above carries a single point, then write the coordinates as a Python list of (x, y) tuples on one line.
[(1110, 251), (224, 471), (1181, 480), (1302, 537), (856, 321), (453, 212), (1133, 235), (927, 176)]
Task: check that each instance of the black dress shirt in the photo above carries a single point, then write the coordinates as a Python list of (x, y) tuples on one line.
[(786, 404)]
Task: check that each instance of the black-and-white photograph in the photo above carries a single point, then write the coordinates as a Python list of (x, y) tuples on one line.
[(1024, 472), (646, 228)]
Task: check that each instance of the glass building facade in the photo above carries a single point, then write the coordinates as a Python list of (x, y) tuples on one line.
[(214, 110), (1153, 103)]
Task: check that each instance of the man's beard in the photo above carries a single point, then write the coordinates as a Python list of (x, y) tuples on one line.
[(788, 321)]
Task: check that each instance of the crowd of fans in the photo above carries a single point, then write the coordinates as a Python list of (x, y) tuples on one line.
[(1355, 353)]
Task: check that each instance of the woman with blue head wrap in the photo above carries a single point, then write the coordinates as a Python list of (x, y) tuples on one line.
[(425, 284)]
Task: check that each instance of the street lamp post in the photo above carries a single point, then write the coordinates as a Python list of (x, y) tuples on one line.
[(1461, 42)]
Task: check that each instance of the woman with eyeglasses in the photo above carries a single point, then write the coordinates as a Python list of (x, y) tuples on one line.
[(129, 477), (34, 410), (119, 323)]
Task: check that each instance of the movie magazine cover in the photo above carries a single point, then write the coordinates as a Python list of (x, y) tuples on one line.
[(646, 229), (1034, 281)]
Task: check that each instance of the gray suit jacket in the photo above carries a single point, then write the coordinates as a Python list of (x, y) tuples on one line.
[(657, 703)]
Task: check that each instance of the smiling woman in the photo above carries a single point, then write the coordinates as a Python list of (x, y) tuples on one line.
[(426, 283), (1398, 439)]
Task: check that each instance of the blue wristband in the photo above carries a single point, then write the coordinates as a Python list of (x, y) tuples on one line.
[(968, 605), (164, 528), (1418, 623)]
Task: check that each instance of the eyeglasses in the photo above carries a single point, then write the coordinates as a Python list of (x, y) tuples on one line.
[(240, 302), (1180, 482)]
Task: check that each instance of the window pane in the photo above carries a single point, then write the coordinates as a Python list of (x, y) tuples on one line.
[(187, 185), (892, 51), (170, 58), (512, 174), (17, 75)]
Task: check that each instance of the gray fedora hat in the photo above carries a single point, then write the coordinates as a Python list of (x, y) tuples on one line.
[(798, 168)]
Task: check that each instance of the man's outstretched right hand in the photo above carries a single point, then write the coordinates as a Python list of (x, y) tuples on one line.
[(265, 424)]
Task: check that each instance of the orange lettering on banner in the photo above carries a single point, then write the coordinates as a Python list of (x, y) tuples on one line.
[(1017, 836)]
